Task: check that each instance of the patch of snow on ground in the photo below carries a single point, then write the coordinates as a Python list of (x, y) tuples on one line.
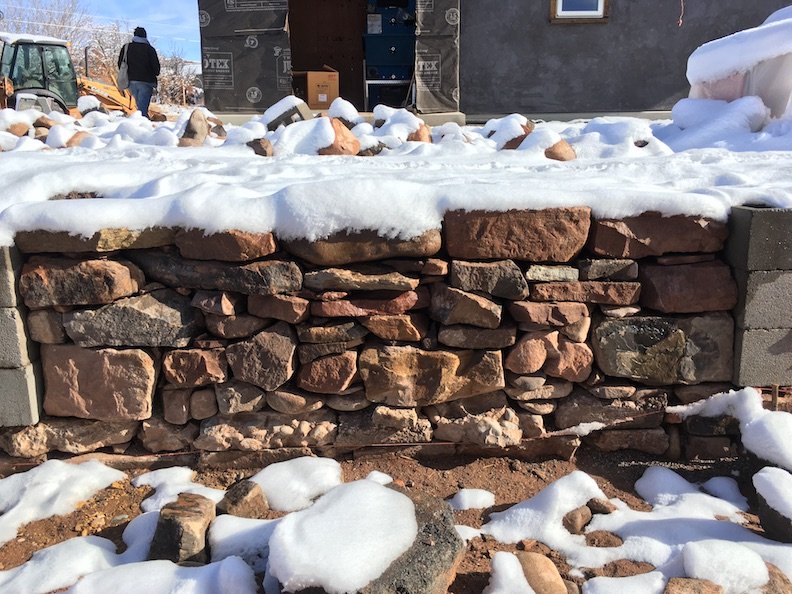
[(379, 477), (736, 569), (294, 484), (467, 533), (241, 537), (472, 499), (51, 489), (163, 577), (168, 483), (345, 540)]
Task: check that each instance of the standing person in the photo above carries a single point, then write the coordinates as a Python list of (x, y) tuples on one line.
[(143, 67)]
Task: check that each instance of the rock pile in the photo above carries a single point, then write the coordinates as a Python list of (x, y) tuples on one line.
[(504, 330)]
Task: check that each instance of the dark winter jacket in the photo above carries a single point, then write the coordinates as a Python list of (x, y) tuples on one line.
[(143, 63)]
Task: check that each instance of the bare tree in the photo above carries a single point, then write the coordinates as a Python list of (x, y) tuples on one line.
[(103, 49), (64, 19), (177, 80)]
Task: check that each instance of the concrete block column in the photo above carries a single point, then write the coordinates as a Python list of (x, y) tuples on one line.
[(760, 251), (20, 370)]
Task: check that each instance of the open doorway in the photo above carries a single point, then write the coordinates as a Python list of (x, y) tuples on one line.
[(371, 43)]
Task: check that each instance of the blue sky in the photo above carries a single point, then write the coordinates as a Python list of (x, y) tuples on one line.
[(172, 25)]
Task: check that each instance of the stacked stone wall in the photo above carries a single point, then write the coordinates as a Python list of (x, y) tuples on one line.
[(500, 332)]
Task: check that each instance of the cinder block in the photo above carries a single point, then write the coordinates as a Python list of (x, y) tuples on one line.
[(16, 349), (763, 357), (759, 238), (20, 395), (765, 299), (10, 265)]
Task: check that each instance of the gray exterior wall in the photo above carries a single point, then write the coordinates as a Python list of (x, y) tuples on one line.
[(514, 60)]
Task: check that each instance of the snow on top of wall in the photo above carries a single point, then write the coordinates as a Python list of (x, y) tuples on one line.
[(712, 157), (741, 51)]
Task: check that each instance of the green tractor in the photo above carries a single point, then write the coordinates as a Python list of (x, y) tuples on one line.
[(36, 72)]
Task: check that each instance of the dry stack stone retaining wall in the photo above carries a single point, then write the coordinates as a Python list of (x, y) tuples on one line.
[(502, 331)]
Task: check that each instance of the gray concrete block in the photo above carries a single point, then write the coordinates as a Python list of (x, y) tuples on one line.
[(10, 266), (760, 238), (765, 299), (763, 357), (16, 348), (20, 396)]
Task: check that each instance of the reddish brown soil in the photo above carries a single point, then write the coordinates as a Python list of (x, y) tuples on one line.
[(510, 480)]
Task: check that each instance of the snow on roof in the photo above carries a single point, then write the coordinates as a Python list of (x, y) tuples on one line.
[(741, 51), (19, 37)]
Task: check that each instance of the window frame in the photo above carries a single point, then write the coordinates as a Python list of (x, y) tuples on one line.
[(558, 17)]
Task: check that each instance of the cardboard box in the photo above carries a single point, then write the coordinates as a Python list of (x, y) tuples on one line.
[(318, 88)]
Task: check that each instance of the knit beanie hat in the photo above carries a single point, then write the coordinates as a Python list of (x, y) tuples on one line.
[(140, 32)]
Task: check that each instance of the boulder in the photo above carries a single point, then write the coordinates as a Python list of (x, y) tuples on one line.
[(269, 277), (293, 402), (548, 235), (203, 404), (338, 332), (245, 499), (652, 234), (566, 359), (541, 273), (608, 293), (267, 360), (235, 397), (180, 535), (407, 376), (310, 352), (561, 151), (666, 350), (329, 375), (157, 435), (576, 520), (779, 583), (499, 279), (429, 566), (72, 436), (382, 425), (363, 246), (409, 327), (581, 407), (162, 318), (104, 240), (498, 427), (46, 326), (688, 288), (262, 147), (340, 279), (386, 303), (240, 326), (553, 389), (548, 314), (176, 404), (47, 282), (348, 402), (251, 432), (528, 355), (190, 368), (422, 134), (196, 130), (514, 143), (226, 246), (219, 303), (691, 586), (651, 441), (345, 143), (452, 306), (541, 573), (470, 337), (577, 331), (612, 269), (105, 384), (287, 308)]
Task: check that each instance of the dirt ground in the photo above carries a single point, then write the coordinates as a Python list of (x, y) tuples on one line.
[(511, 480)]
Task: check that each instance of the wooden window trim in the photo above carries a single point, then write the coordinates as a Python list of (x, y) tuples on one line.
[(578, 20)]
